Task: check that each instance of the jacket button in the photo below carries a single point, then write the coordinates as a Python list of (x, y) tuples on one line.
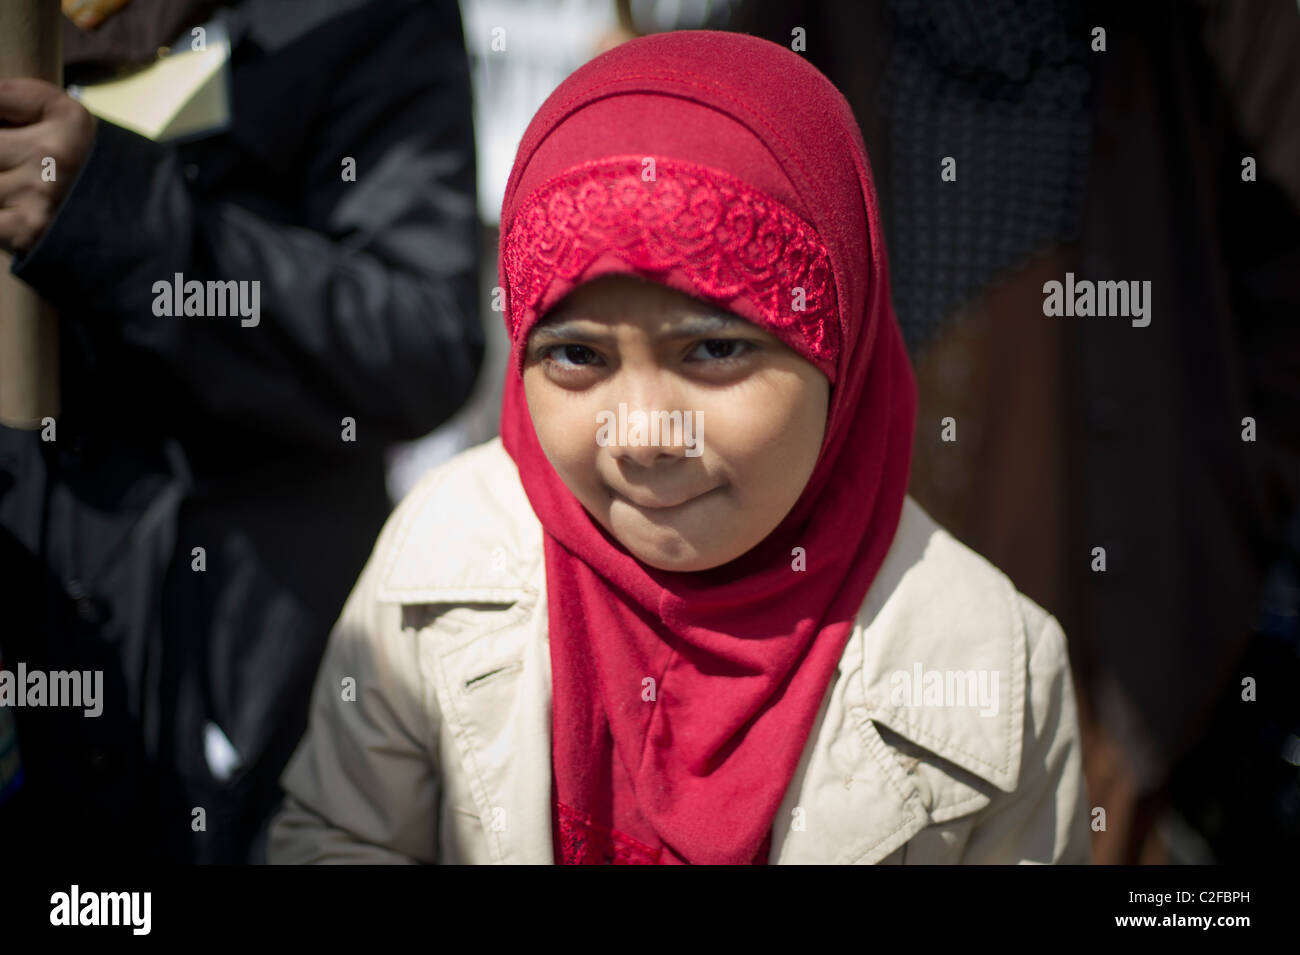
[(89, 609), (92, 611)]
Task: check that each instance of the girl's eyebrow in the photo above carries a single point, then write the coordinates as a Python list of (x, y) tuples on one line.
[(685, 328)]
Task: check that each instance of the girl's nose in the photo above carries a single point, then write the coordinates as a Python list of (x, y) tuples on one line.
[(647, 434), (646, 457)]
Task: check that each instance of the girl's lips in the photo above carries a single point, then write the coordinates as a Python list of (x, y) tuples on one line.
[(653, 504)]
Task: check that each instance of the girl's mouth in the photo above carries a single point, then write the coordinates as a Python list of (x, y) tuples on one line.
[(650, 502)]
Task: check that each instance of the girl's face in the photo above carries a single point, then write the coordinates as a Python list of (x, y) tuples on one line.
[(686, 431)]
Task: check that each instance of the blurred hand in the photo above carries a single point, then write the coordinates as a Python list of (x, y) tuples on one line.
[(38, 122)]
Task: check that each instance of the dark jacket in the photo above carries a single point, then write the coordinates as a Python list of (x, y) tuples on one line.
[(197, 432)]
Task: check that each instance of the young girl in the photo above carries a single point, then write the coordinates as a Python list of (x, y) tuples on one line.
[(683, 610)]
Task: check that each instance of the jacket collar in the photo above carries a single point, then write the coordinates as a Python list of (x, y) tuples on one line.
[(939, 649), (465, 534), (936, 609)]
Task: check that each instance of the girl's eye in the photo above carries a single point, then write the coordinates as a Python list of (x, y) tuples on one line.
[(568, 357), (572, 358), (721, 349)]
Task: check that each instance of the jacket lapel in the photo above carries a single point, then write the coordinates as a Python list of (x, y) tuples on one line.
[(950, 676), (849, 801), (491, 661), (494, 692)]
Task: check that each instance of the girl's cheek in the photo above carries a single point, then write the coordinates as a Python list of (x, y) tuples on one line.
[(747, 432)]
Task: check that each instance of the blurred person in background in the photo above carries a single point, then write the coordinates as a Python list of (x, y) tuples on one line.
[(519, 51), (215, 482), (1013, 144)]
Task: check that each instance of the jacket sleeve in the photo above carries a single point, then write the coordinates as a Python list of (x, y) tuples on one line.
[(363, 785), (368, 293), (1045, 820)]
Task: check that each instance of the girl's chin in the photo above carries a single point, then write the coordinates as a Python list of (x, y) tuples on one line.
[(668, 538), (683, 565), (665, 548)]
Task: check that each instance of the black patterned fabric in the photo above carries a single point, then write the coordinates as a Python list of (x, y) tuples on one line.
[(1002, 87)]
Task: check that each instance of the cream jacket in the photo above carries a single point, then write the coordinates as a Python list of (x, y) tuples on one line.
[(429, 735)]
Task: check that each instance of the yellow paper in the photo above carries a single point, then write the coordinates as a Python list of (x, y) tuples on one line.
[(180, 94)]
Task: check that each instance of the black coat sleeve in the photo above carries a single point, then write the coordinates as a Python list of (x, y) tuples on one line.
[(368, 288)]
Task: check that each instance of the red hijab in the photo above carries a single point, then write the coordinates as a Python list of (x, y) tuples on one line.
[(759, 188)]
